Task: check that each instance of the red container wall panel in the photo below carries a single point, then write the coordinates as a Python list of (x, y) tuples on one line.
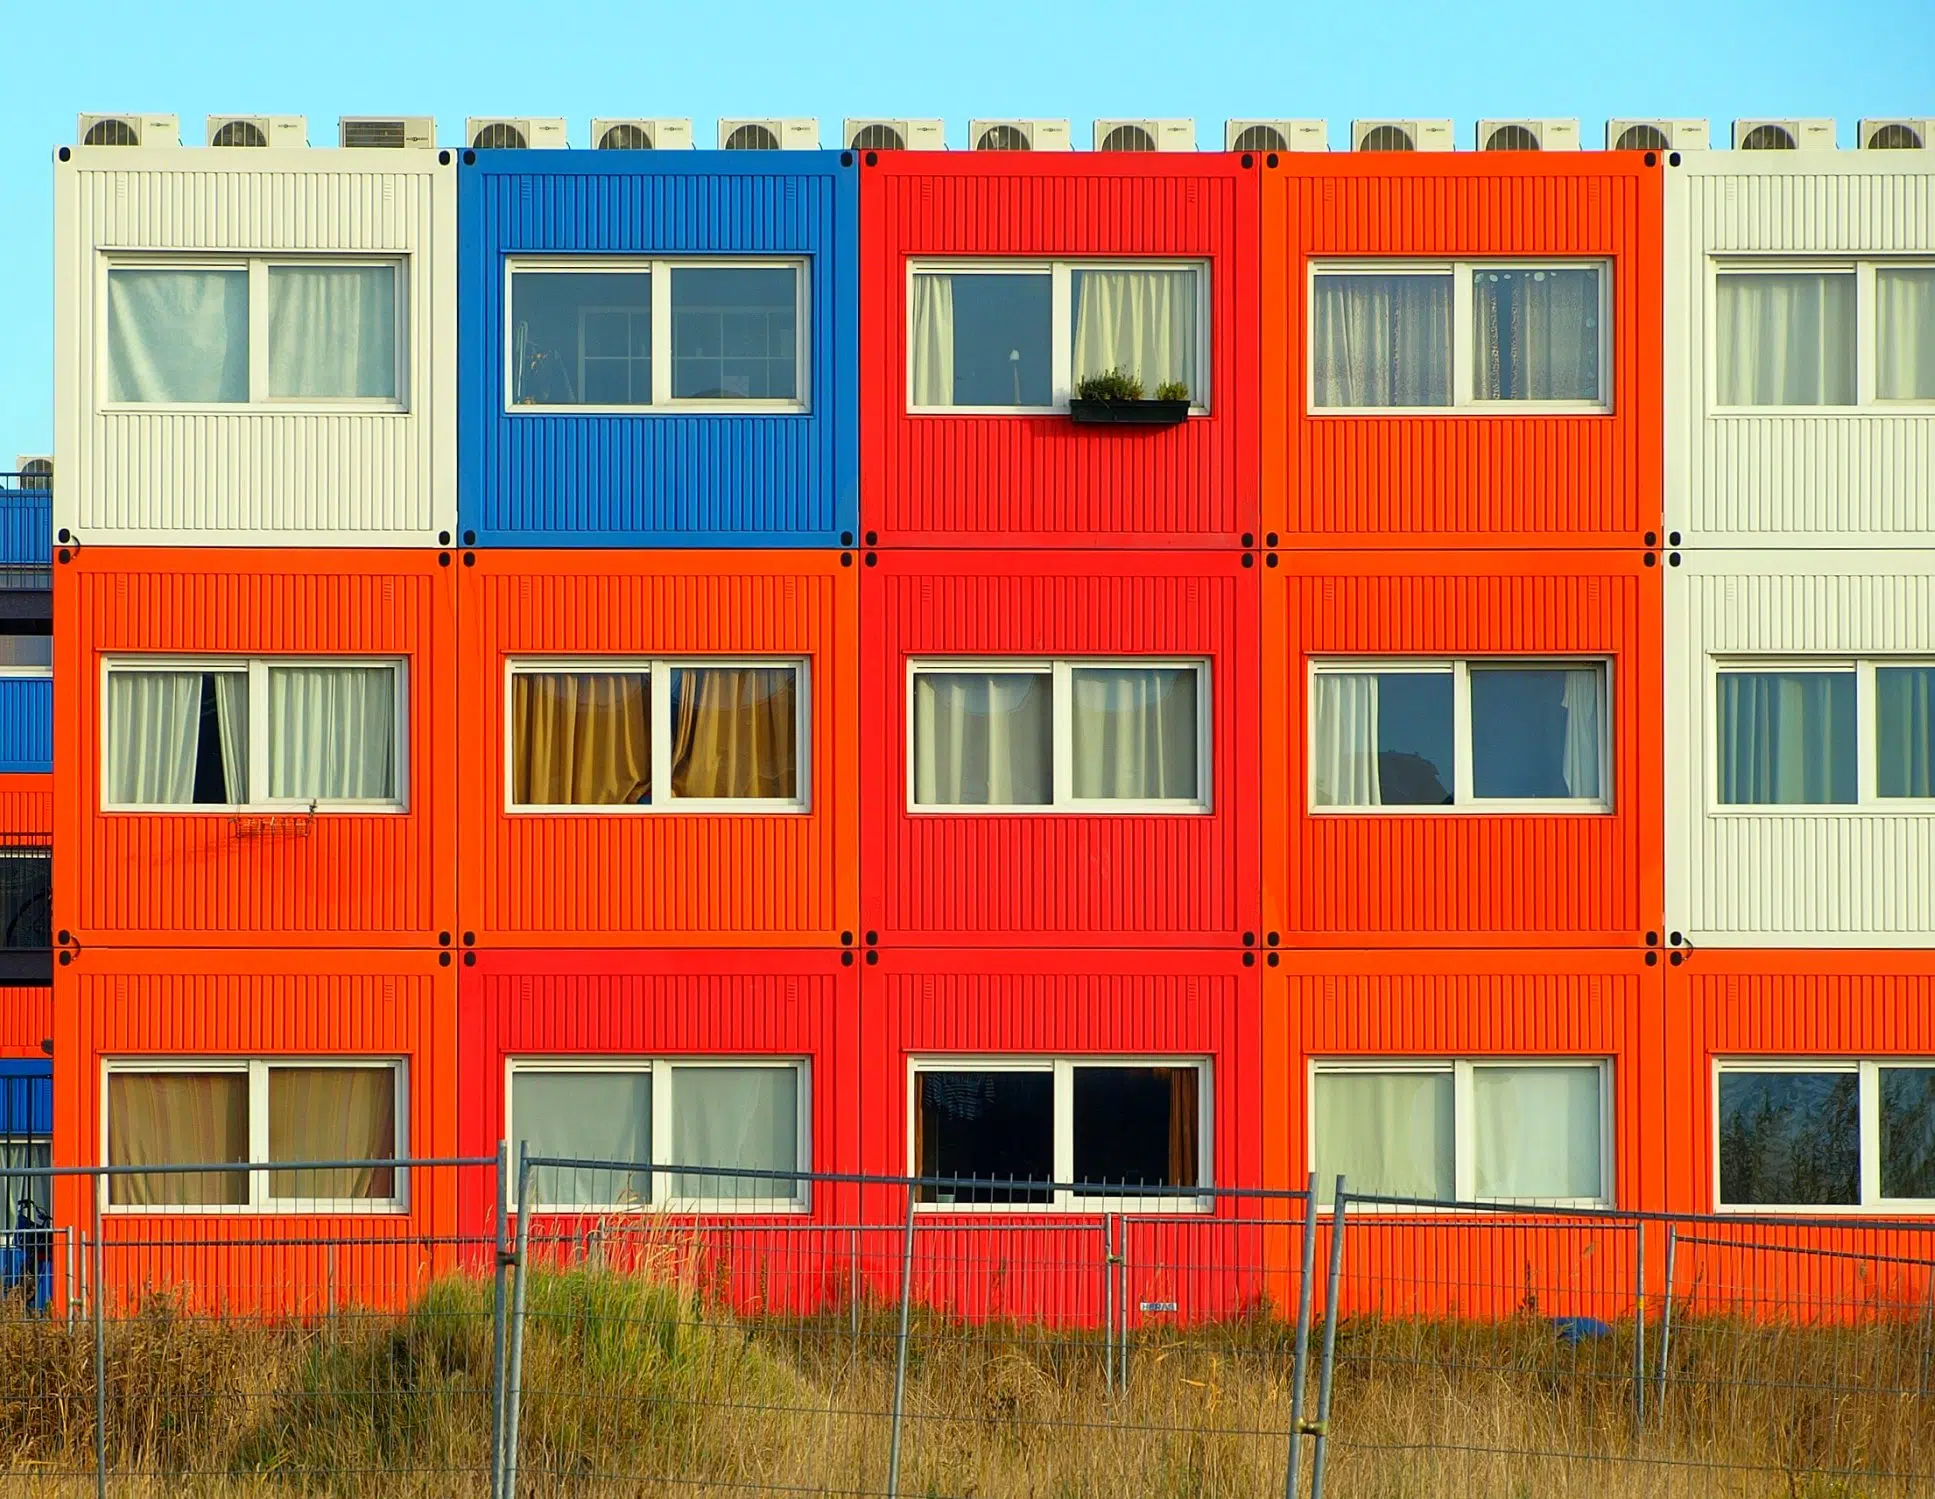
[(26, 807), (996, 480), (144, 879), (602, 878), (1060, 879), (1464, 877), (1481, 479), (26, 1020)]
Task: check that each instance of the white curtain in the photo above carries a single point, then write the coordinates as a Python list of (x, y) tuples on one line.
[(932, 356), (1389, 1133), (178, 335), (1786, 340), (1584, 699), (1143, 322), (983, 739), (1381, 340), (1536, 334), (154, 726), (1347, 740), (1905, 731), (332, 732), (1905, 321), (1134, 733), (232, 725), (1787, 738), (332, 331), (586, 1116), (743, 1117), (1535, 1132)]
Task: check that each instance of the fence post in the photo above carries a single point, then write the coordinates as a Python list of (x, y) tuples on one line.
[(1639, 1323), (514, 1373), (500, 1248), (1928, 1327), (1108, 1301), (1339, 1213), (1666, 1317), (853, 1288), (98, 1185), (1122, 1305), (900, 1351), (1300, 1366)]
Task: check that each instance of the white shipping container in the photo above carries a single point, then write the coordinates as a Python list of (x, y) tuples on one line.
[(267, 469), (1851, 873)]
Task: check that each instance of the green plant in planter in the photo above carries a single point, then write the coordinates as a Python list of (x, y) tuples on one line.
[(1172, 390), (1109, 385)]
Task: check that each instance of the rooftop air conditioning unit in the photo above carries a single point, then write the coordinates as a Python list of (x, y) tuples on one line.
[(1145, 135), (514, 134), (1276, 135), (36, 471), (1897, 135), (386, 132), (1528, 135), (769, 135), (894, 135), (1656, 135), (1783, 135), (1018, 135), (641, 135), (129, 130), (258, 130), (1400, 135)]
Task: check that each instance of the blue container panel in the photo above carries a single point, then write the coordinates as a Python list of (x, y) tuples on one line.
[(26, 1097), (26, 724), (532, 479), (26, 527)]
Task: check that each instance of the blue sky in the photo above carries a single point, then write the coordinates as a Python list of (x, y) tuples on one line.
[(1069, 58)]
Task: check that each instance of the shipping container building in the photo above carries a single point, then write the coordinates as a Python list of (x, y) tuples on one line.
[(255, 347), (26, 1140), (1059, 748), (1461, 748), (26, 910), (659, 748), (1800, 809), (261, 747), (1526, 411), (993, 283), (1800, 365), (26, 621), (658, 348)]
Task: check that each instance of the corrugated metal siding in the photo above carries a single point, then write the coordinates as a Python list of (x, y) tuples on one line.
[(26, 1020), (26, 724), (1463, 878), (26, 527), (383, 879), (661, 480), (26, 1097), (1802, 877), (1842, 478), (615, 879), (1008, 480), (1068, 879), (256, 477), (26, 805), (1477, 480)]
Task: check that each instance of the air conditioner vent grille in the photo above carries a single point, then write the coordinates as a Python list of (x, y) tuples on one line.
[(1511, 138), (240, 133), (879, 138), (1770, 138), (1128, 138), (499, 136), (625, 136), (1387, 138), (1003, 138), (1261, 138), (1894, 136), (111, 133), (752, 138), (383, 135), (37, 473), (1642, 138)]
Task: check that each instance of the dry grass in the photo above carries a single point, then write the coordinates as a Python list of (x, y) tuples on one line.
[(635, 1386)]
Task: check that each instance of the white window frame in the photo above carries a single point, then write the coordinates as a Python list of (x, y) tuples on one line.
[(1463, 401), (659, 671), (256, 668), (661, 269), (1867, 744), (1463, 1123), (257, 1070), (1196, 1200), (22, 673), (662, 1069), (1867, 336), (1868, 1114), (1061, 672), (1459, 668), (259, 400), (1061, 315)]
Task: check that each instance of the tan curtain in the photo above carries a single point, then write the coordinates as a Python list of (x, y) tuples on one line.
[(178, 1119), (1184, 1122), (333, 1114), (581, 739), (735, 732)]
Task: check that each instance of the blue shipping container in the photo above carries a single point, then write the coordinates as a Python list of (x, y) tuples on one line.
[(26, 1097), (680, 475), (26, 525), (26, 724)]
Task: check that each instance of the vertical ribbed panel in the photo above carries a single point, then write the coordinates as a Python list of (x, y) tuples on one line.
[(26, 527), (1491, 479), (1839, 478), (254, 476), (1467, 877), (383, 879), (680, 478), (1791, 876), (626, 878), (26, 1020), (26, 724), (26, 806), (1002, 480), (1067, 879)]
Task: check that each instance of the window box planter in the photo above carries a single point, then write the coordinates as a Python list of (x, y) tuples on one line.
[(1128, 413)]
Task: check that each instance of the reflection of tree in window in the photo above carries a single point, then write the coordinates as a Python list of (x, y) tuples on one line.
[(1908, 1132), (1790, 1139), (581, 339), (998, 1126), (1135, 1127), (1414, 739), (25, 884), (1534, 732)]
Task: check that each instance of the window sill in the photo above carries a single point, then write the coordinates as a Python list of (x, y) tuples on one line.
[(1905, 807), (258, 408), (1489, 409), (707, 808), (1083, 809), (346, 1209), (1177, 1207), (1473, 809), (674, 408), (1877, 408)]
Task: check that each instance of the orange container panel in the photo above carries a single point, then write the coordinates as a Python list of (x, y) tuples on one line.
[(161, 1004), (230, 878), (26, 807), (1466, 877), (620, 878), (26, 1020), (1483, 478)]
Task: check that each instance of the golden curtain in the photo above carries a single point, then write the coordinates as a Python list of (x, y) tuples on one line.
[(178, 1119), (735, 732), (333, 1114), (1184, 1146), (581, 738)]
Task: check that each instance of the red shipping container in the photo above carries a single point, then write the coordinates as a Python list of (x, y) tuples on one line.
[(26, 1020), (26, 821), (1060, 878)]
